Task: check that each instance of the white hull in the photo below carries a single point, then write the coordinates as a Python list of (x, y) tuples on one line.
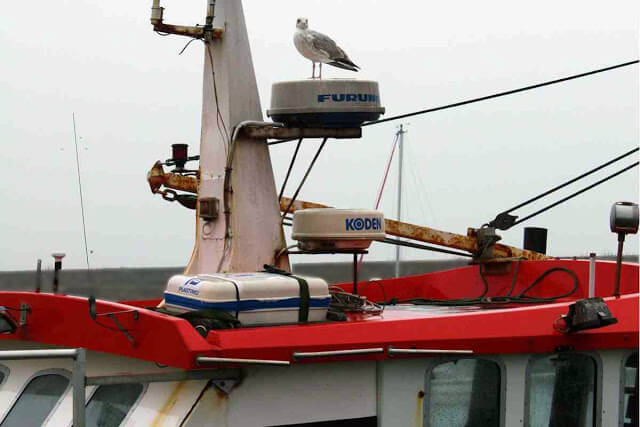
[(393, 391)]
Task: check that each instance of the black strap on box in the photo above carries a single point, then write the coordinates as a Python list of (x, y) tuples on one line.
[(305, 297)]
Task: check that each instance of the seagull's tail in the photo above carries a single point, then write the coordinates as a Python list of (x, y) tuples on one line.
[(345, 64)]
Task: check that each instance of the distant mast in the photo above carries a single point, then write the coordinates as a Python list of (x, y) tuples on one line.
[(400, 135)]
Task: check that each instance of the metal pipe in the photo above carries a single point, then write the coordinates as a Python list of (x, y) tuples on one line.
[(302, 355), (156, 13), (206, 360), (39, 354), (592, 275), (200, 374), (226, 203), (78, 381), (616, 289), (38, 275), (393, 351), (355, 273)]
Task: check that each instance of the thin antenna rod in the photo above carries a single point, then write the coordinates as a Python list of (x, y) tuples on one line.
[(84, 227)]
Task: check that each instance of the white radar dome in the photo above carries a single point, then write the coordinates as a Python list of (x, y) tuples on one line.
[(325, 103), (337, 229)]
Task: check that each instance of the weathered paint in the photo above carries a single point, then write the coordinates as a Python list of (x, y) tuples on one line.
[(166, 408), (157, 178), (294, 133), (419, 408), (250, 233), (182, 30)]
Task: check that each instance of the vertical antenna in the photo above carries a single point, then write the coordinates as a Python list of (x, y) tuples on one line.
[(84, 228), (400, 134), (38, 275)]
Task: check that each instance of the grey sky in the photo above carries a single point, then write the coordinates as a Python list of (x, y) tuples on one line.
[(133, 96)]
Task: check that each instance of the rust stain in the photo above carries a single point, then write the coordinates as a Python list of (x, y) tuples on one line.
[(156, 177), (168, 405), (467, 243), (419, 406)]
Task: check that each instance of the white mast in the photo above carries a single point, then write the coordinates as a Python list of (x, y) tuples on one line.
[(400, 135), (230, 96)]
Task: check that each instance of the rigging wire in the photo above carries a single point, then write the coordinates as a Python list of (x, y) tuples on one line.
[(304, 178), (420, 188), (84, 227), (558, 187), (499, 94), (286, 178), (571, 196), (425, 247)]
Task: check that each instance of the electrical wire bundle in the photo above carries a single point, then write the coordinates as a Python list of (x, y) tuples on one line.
[(509, 298), (345, 302)]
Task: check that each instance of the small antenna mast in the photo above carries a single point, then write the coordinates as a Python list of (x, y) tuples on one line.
[(84, 228)]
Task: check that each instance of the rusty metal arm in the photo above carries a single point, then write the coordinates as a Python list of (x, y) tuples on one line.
[(266, 132), (197, 32), (157, 178), (430, 235)]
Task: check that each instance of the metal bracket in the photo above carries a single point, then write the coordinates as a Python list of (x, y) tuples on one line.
[(225, 385), (486, 237), (25, 310), (112, 315), (267, 132)]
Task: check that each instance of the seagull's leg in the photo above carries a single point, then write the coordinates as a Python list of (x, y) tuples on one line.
[(313, 72), (320, 65)]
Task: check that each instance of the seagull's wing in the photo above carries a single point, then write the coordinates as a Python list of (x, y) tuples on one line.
[(336, 55)]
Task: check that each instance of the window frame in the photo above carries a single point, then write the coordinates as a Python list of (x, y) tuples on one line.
[(52, 371), (145, 387), (597, 404), (6, 371), (426, 409), (623, 363)]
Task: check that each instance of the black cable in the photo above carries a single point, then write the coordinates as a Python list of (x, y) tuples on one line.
[(571, 196), (304, 178), (215, 95), (286, 178), (571, 181), (522, 297), (425, 247), (499, 94), (186, 46)]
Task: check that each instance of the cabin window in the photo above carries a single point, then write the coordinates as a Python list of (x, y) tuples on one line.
[(110, 404), (630, 390), (37, 400), (561, 391), (463, 392)]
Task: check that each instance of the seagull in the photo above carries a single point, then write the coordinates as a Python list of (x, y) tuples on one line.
[(320, 48)]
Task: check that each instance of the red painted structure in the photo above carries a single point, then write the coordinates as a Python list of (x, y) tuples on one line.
[(517, 328)]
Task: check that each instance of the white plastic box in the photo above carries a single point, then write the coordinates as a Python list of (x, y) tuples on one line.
[(255, 298)]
